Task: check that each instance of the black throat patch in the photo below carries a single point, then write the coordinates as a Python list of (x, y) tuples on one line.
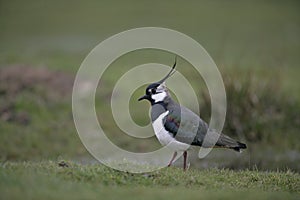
[(157, 109)]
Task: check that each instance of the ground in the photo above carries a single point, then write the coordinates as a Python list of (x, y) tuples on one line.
[(67, 180)]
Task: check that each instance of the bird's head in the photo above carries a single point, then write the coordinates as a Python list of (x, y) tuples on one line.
[(157, 92)]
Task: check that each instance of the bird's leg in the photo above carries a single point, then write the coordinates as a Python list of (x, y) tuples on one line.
[(184, 160), (171, 161)]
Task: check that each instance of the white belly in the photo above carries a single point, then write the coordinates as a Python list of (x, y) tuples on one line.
[(164, 137)]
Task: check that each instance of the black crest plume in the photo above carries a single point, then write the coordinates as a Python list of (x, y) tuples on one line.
[(170, 73)]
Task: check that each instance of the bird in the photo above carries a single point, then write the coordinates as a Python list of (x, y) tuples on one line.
[(179, 127)]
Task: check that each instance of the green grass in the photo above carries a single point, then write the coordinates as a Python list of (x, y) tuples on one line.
[(47, 180), (236, 33), (258, 41)]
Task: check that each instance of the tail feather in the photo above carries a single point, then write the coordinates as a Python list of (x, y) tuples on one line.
[(227, 142), (239, 147)]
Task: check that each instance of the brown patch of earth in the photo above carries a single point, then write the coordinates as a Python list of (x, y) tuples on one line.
[(41, 82)]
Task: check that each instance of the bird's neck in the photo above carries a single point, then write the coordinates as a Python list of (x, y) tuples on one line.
[(160, 107)]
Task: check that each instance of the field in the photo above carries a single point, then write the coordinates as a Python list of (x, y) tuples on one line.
[(67, 180), (255, 45)]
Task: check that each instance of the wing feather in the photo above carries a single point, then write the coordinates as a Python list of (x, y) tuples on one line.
[(185, 125)]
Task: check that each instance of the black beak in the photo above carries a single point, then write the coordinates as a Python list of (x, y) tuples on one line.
[(144, 97)]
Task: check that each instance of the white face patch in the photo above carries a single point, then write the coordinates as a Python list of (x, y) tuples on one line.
[(161, 87), (159, 96)]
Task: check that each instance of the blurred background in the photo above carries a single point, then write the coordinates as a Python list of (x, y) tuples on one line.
[(255, 45)]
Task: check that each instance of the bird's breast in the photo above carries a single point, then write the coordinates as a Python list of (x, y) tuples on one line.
[(164, 137), (161, 133)]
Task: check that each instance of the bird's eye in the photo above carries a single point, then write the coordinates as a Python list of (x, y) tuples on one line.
[(153, 91)]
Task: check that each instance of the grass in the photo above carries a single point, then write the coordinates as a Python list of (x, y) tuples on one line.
[(258, 38), (247, 91), (48, 180)]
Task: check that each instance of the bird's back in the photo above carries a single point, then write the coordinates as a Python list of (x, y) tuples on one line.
[(187, 127), (184, 124)]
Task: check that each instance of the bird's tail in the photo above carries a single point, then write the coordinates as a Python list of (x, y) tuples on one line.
[(227, 142)]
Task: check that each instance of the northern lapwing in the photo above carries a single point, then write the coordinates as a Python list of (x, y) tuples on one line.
[(177, 126)]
